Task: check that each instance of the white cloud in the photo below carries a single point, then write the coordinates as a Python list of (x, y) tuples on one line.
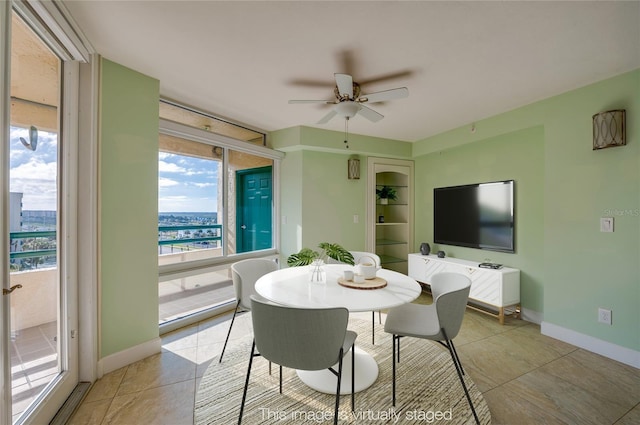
[(165, 182), (168, 167), (37, 180), (203, 185)]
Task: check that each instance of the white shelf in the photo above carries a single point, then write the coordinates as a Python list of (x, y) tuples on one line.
[(393, 238)]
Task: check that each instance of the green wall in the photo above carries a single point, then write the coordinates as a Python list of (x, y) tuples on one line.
[(128, 197), (318, 201), (563, 188), (519, 156)]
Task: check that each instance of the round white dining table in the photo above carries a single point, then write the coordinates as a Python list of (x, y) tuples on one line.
[(293, 287)]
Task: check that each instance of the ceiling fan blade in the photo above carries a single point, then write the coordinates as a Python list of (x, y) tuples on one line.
[(381, 96), (347, 61), (370, 114), (345, 85), (310, 101), (327, 117), (311, 83), (390, 76)]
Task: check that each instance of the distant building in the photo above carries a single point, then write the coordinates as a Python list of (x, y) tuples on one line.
[(15, 211), (15, 219)]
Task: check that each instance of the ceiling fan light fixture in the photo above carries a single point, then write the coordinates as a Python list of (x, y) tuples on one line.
[(347, 109)]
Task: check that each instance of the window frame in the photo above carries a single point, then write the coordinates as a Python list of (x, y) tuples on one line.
[(171, 128)]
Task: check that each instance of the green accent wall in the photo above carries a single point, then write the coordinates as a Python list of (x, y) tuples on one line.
[(128, 197), (514, 156), (318, 201), (563, 187)]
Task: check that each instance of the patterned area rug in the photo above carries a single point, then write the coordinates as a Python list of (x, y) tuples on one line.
[(428, 389)]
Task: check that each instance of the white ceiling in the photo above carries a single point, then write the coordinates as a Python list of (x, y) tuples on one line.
[(461, 61)]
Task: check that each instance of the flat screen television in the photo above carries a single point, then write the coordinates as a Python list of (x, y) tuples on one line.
[(475, 216)]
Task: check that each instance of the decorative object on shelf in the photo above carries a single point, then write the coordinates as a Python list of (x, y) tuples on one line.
[(380, 219), (386, 193), (609, 129), (353, 169), (441, 254), (306, 256), (425, 249)]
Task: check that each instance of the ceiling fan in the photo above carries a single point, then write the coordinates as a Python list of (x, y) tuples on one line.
[(349, 100)]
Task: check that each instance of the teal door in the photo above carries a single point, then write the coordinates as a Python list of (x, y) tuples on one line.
[(254, 208)]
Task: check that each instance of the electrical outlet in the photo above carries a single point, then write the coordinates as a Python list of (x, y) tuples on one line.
[(356, 218), (604, 316)]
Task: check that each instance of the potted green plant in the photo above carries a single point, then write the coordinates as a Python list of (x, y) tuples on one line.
[(386, 193), (307, 256)]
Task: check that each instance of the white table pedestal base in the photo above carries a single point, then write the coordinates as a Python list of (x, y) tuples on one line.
[(325, 381)]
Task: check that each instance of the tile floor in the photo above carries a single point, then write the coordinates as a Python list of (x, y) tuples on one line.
[(34, 364), (526, 378)]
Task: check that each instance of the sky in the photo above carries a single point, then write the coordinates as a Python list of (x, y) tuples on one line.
[(185, 184), (34, 172)]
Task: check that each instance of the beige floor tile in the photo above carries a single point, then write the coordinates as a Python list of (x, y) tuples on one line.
[(631, 418), (541, 391), (602, 380), (503, 357), (180, 339), (527, 378), (508, 408), (158, 370), (90, 413), (167, 405), (106, 387)]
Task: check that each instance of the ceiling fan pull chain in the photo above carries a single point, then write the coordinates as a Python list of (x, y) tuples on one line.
[(346, 132)]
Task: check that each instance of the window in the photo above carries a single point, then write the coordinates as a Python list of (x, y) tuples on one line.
[(216, 204)]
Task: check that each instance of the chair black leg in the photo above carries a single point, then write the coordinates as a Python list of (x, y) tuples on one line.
[(393, 371), (464, 386), (335, 415), (246, 382), (353, 378), (280, 379), (229, 333), (373, 328), (453, 347)]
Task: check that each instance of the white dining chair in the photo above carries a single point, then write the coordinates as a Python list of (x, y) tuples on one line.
[(303, 339), (439, 321), (244, 275)]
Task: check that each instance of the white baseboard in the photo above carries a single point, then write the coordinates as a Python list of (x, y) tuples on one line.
[(130, 355), (607, 349), (531, 316)]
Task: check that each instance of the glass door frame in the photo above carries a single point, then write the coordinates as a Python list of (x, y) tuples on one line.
[(71, 53)]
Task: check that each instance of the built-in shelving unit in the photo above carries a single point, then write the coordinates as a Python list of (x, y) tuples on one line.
[(390, 225)]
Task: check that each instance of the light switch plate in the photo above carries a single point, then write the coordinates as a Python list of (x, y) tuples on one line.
[(606, 224)]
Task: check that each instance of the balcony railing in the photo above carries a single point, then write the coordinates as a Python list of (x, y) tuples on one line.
[(182, 234), (50, 235), (167, 235)]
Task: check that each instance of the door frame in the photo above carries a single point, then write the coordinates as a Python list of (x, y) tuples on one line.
[(49, 22), (241, 175)]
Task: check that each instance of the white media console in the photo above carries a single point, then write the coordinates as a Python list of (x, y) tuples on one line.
[(493, 291)]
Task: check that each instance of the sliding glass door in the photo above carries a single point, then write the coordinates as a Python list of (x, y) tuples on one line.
[(38, 305)]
